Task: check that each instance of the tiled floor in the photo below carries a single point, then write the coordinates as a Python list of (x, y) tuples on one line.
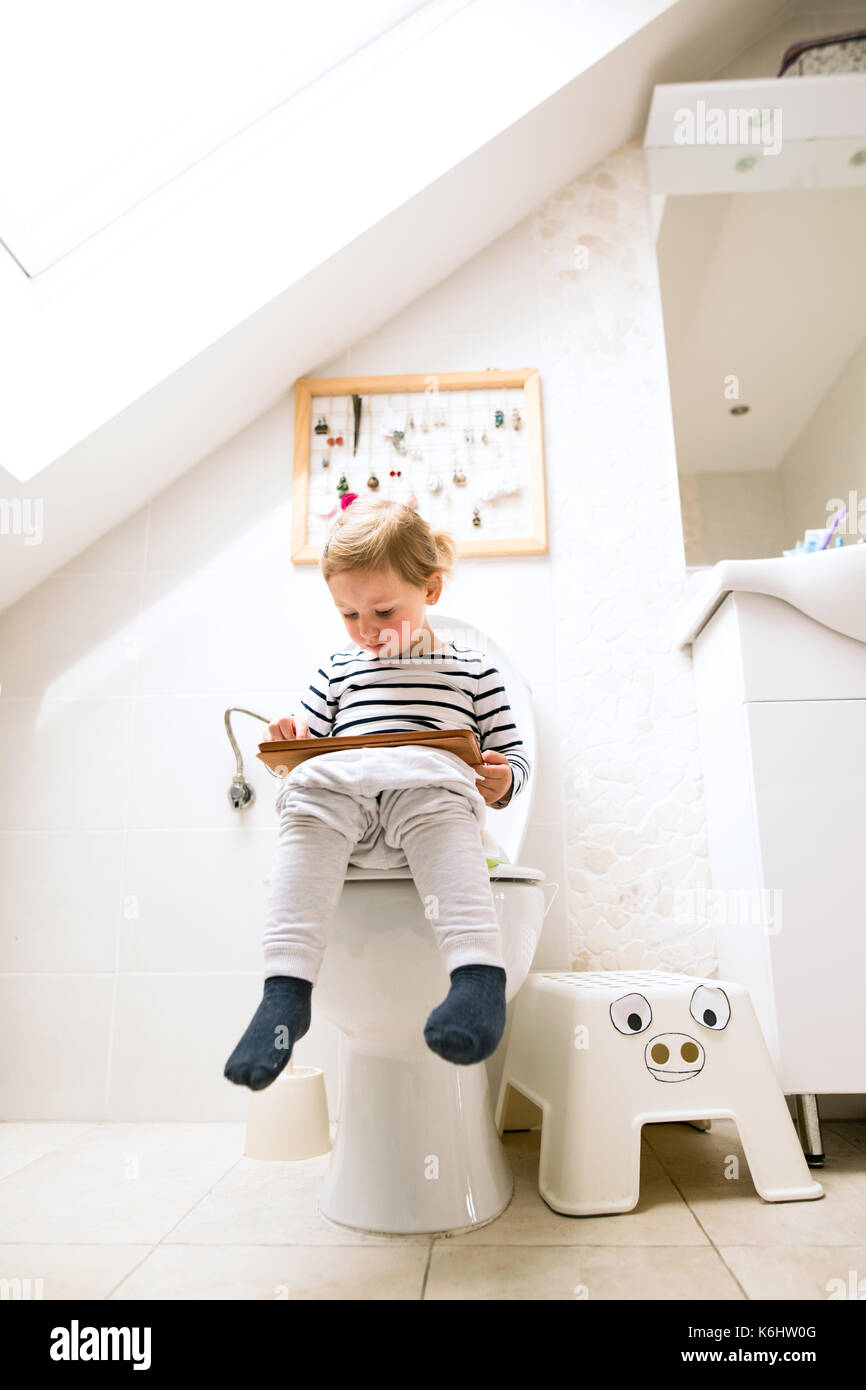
[(154, 1211)]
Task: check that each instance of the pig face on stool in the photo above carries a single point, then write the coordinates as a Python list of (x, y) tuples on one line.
[(586, 1048), (673, 1056)]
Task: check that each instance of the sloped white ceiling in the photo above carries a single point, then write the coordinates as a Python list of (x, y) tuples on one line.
[(169, 331)]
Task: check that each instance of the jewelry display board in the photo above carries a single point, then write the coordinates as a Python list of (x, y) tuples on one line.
[(463, 448)]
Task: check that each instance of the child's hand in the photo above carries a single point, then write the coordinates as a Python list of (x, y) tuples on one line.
[(288, 728), (497, 776)]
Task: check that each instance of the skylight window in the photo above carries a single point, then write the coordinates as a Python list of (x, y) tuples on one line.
[(103, 103)]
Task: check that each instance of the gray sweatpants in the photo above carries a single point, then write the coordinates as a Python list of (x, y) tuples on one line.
[(380, 808)]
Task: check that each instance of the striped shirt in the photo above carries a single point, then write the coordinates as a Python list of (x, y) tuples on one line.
[(356, 693)]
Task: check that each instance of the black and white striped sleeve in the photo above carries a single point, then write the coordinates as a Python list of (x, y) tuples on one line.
[(498, 729), (316, 705)]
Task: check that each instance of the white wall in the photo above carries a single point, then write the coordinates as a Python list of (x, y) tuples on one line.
[(801, 20), (133, 893), (634, 816), (733, 514), (828, 460), (757, 512), (130, 943)]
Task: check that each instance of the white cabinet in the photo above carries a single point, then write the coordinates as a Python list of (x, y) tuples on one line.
[(782, 723)]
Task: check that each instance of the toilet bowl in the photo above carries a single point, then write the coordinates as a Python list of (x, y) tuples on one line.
[(416, 1147)]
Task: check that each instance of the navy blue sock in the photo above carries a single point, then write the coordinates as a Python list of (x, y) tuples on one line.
[(282, 1017), (467, 1026)]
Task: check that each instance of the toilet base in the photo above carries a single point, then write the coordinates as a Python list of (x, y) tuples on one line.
[(416, 1152)]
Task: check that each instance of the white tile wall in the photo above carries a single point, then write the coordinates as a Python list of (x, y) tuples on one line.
[(57, 1031), (131, 955), (60, 896)]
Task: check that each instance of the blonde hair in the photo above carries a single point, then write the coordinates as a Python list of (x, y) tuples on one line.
[(375, 533)]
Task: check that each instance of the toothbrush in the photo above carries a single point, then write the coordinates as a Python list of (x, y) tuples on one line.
[(840, 516)]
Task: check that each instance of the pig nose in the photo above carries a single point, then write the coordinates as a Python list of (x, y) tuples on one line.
[(674, 1056)]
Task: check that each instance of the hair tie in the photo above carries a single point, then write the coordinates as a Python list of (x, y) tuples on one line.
[(345, 501)]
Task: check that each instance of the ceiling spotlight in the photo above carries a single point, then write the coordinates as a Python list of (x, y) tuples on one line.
[(740, 409)]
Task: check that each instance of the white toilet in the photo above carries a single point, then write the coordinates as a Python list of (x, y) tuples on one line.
[(416, 1147)]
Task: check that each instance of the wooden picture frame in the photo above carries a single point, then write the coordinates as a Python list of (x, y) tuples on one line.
[(519, 507)]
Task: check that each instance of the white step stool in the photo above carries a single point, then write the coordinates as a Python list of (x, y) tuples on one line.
[(602, 1053)]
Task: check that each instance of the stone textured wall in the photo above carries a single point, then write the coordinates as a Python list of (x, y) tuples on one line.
[(635, 831)]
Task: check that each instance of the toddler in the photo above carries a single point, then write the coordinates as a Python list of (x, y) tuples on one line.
[(389, 807)]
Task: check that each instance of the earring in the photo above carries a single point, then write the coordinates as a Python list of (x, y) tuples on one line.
[(342, 485), (434, 482), (326, 463), (322, 425), (515, 418), (458, 477), (499, 418), (476, 517), (372, 481)]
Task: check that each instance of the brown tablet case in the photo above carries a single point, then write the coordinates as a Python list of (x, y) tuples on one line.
[(283, 755)]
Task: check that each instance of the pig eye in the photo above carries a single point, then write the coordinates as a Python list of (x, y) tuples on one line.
[(710, 1007), (631, 1013)]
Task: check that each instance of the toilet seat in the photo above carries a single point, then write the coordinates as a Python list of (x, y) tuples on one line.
[(516, 872)]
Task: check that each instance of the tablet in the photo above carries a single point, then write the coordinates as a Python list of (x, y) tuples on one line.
[(283, 755)]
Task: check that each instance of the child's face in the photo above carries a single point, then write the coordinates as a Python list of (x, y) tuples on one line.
[(383, 613)]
